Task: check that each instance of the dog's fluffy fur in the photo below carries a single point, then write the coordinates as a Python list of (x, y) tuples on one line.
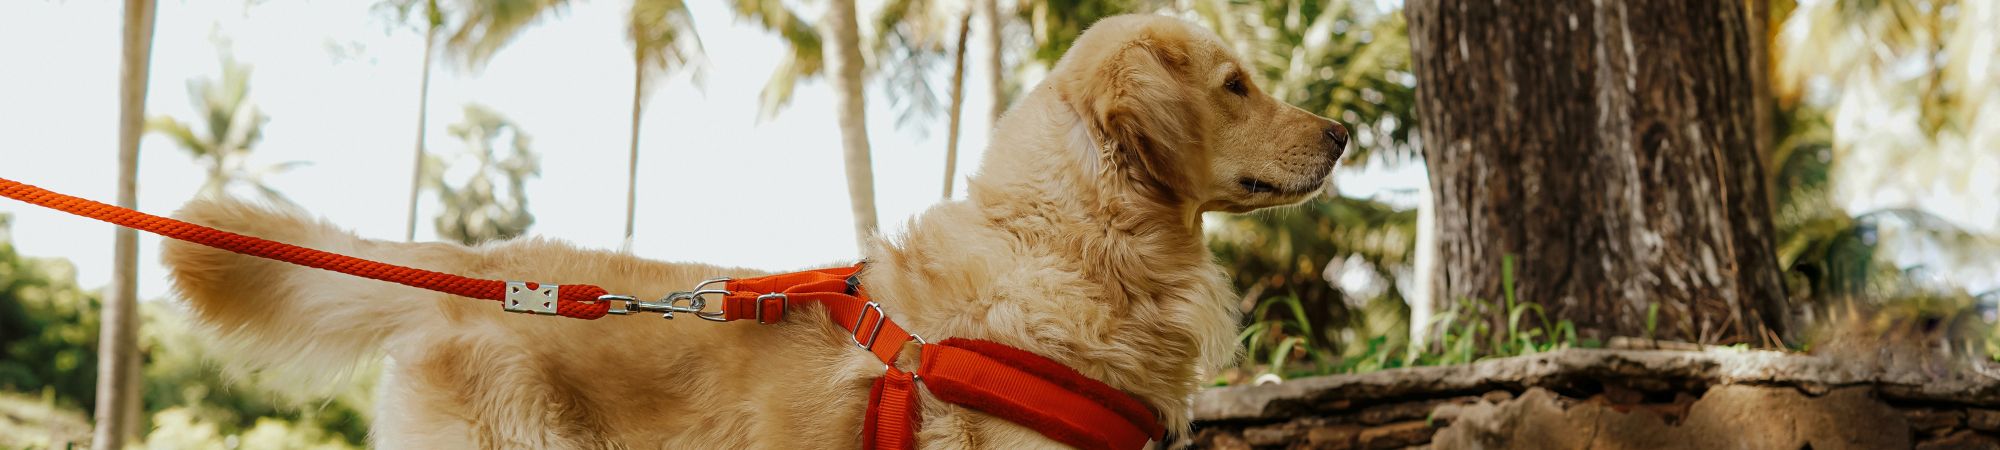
[(1080, 240)]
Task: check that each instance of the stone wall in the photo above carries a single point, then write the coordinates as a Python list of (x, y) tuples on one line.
[(1615, 399)]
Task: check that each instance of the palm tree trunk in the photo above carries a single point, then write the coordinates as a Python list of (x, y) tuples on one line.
[(118, 334), (423, 113), (994, 26), (1423, 305), (632, 168), (957, 104), (846, 45)]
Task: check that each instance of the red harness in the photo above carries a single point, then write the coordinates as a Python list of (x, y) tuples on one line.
[(988, 377)]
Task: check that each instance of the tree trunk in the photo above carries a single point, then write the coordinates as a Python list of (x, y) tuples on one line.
[(1608, 146), (118, 333), (957, 104), (844, 37), (994, 27), (1421, 300), (632, 167), (423, 113), (1763, 114)]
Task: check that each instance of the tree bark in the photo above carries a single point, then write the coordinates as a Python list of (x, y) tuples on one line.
[(957, 103), (844, 35), (1609, 147), (423, 113), (995, 25), (1763, 114), (118, 333)]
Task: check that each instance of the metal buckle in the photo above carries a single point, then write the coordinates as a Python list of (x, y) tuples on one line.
[(687, 302), (539, 300), (872, 334), (620, 304), (786, 306)]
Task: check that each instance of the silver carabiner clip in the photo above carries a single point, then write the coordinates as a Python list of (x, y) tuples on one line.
[(687, 302)]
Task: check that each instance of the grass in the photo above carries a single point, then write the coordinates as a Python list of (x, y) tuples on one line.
[(1466, 332)]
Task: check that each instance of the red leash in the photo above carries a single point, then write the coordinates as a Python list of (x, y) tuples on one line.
[(579, 301), (993, 378)]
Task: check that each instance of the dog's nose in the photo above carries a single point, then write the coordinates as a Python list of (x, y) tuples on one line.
[(1337, 135)]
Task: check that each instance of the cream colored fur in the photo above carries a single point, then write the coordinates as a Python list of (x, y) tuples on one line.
[(1080, 241)]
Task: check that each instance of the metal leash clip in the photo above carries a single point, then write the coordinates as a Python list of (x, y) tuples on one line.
[(686, 302)]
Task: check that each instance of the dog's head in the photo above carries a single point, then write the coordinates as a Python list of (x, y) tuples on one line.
[(1171, 114)]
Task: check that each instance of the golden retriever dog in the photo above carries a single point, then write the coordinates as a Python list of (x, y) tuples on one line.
[(1080, 240)]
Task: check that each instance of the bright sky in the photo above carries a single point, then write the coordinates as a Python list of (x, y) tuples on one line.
[(340, 85)]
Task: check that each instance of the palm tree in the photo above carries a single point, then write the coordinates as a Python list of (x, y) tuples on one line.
[(117, 412), (663, 39), (1917, 66), (433, 22), (848, 65), (231, 126), (911, 38), (842, 29), (475, 210), (473, 31), (957, 102), (996, 61)]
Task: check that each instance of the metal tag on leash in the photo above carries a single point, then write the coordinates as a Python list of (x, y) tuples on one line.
[(540, 300)]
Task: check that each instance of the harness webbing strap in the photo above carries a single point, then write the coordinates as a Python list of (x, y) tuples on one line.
[(892, 419), (989, 377), (846, 304), (1061, 404)]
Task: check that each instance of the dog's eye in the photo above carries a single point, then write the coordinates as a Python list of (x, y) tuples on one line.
[(1235, 85)]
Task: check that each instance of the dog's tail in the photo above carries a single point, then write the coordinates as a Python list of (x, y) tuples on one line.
[(298, 323)]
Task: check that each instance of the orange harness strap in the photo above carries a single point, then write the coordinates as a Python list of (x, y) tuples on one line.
[(989, 377)]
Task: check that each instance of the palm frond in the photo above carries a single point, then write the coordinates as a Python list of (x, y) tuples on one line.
[(664, 39), (808, 58), (476, 29)]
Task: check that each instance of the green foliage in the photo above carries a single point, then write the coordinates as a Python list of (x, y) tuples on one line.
[(914, 39), (664, 38), (808, 58), (1057, 23), (33, 422), (475, 210), (1345, 60), (474, 30), (182, 428), (1910, 79), (1274, 344), (1281, 260), (1465, 333), (1342, 59), (230, 127), (186, 386), (48, 328)]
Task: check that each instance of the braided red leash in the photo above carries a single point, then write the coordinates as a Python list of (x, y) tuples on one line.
[(575, 300)]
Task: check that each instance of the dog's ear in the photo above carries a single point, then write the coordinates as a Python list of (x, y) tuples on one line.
[(1139, 116)]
